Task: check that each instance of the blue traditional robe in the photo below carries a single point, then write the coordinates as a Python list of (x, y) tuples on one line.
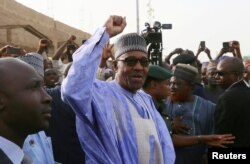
[(199, 116), (104, 124)]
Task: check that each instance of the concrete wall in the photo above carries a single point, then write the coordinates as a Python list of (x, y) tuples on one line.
[(14, 13)]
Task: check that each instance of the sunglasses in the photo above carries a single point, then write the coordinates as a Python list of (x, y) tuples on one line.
[(132, 61), (223, 73)]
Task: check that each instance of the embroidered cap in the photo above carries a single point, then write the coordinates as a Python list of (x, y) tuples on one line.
[(35, 60), (186, 72), (129, 42)]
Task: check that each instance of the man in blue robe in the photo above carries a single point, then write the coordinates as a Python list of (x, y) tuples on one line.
[(116, 122), (195, 112)]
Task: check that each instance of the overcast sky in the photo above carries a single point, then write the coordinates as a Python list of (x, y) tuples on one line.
[(213, 21)]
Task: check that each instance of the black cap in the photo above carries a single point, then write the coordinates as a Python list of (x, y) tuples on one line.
[(186, 57)]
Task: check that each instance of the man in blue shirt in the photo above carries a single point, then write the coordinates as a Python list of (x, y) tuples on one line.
[(116, 121)]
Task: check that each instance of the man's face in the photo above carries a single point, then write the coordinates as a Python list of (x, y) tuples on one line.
[(224, 76), (27, 109), (180, 90), (204, 77), (130, 73), (51, 77), (162, 89), (211, 74), (247, 74)]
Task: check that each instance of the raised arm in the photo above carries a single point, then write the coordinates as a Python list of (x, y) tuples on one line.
[(60, 50), (43, 48), (236, 47), (222, 52), (205, 49), (176, 51), (231, 48), (78, 87)]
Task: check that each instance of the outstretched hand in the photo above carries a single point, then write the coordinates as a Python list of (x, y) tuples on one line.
[(218, 140), (115, 25)]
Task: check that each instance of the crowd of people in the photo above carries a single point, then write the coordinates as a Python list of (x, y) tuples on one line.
[(105, 103)]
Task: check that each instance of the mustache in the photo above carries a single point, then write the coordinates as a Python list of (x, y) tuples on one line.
[(138, 74)]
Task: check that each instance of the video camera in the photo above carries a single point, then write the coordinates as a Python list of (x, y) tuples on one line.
[(153, 37)]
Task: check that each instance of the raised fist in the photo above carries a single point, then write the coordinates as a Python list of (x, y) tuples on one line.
[(115, 25), (117, 20)]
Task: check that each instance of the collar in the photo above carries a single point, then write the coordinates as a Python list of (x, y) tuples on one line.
[(126, 92), (13, 151), (237, 83), (247, 84)]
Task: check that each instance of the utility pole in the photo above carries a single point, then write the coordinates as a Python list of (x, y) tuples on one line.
[(137, 17), (150, 12)]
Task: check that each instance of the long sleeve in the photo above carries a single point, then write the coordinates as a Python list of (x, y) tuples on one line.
[(77, 86), (106, 127)]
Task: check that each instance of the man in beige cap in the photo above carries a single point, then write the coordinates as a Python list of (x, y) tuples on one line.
[(196, 112)]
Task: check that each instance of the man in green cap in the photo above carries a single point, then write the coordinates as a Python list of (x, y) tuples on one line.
[(156, 85)]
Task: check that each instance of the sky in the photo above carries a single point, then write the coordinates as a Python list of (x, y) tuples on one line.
[(213, 21)]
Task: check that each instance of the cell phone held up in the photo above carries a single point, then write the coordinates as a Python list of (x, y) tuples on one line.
[(203, 45), (71, 47), (13, 50), (44, 43), (226, 45)]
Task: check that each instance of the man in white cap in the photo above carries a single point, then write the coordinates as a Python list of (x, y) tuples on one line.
[(116, 121)]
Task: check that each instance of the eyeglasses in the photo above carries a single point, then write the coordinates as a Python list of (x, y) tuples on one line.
[(132, 61)]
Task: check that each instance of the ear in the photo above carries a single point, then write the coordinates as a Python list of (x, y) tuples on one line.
[(3, 101), (153, 84), (115, 66), (237, 76)]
